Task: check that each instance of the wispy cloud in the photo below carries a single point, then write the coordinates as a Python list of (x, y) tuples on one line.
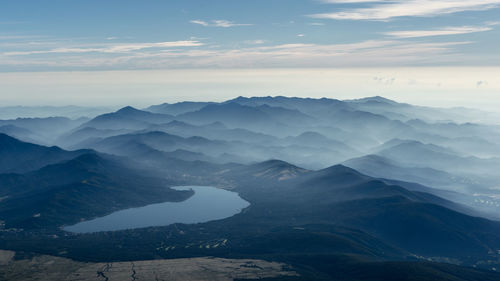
[(437, 32), (366, 53), (16, 37), (481, 83), (255, 42), (386, 10), (200, 22), (218, 23), (115, 48), (177, 54)]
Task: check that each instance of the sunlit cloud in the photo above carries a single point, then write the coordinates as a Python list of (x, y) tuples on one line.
[(218, 23), (365, 53), (252, 53), (386, 10), (255, 42), (437, 32), (316, 24), (117, 48), (18, 37), (481, 83)]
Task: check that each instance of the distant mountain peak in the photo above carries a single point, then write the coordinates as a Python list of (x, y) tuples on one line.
[(277, 170), (217, 125), (127, 109), (339, 169), (374, 99), (238, 99), (177, 123), (275, 162)]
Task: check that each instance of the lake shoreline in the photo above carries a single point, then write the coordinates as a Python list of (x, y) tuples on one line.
[(206, 204)]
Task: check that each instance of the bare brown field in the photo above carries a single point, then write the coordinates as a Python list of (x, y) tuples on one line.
[(193, 269)]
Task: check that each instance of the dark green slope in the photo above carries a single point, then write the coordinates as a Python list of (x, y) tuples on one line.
[(421, 228), (417, 222), (310, 219), (85, 187), (18, 157)]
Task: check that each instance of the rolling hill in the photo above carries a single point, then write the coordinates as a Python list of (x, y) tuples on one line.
[(127, 118), (85, 187), (18, 157)]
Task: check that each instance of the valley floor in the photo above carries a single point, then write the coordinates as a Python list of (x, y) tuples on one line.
[(196, 269)]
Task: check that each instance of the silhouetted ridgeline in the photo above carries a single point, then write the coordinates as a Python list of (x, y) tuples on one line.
[(367, 189)]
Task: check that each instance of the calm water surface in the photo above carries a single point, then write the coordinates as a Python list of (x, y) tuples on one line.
[(207, 204)]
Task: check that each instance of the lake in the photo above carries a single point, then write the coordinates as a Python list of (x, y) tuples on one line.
[(207, 204)]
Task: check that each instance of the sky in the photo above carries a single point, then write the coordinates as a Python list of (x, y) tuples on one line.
[(58, 49)]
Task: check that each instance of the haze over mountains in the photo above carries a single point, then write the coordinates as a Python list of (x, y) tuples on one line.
[(349, 182), (380, 137)]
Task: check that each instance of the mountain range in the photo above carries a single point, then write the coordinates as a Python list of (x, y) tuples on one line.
[(371, 183)]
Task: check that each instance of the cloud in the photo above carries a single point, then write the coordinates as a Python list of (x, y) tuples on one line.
[(385, 80), (172, 55), (116, 48), (255, 42), (386, 10), (301, 35), (15, 37), (366, 53), (437, 32), (200, 22), (218, 23), (481, 83)]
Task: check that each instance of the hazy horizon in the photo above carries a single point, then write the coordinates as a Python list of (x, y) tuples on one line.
[(435, 86), (313, 140), (439, 53)]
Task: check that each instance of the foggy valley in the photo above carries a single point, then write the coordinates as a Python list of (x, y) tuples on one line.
[(272, 140), (352, 181)]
